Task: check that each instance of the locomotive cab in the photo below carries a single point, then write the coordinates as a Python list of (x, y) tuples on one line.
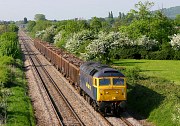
[(111, 89)]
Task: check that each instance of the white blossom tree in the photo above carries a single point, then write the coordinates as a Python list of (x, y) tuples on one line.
[(175, 42), (146, 42), (58, 37), (73, 43), (77, 40), (40, 34), (101, 47), (47, 34)]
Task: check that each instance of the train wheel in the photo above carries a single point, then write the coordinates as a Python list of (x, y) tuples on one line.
[(83, 94), (117, 112), (57, 67), (79, 90), (88, 99), (105, 112), (94, 105)]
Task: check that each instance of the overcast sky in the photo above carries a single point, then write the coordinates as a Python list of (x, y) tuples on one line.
[(69, 9)]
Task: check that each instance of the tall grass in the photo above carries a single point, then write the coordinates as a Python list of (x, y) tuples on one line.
[(19, 111), (15, 105)]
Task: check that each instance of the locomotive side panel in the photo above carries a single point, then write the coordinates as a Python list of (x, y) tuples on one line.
[(86, 84)]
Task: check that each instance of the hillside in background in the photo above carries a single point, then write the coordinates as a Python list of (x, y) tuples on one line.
[(172, 12)]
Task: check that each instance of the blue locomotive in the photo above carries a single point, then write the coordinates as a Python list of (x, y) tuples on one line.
[(103, 87)]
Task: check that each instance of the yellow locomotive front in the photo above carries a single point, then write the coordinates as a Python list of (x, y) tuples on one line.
[(111, 89), (111, 94)]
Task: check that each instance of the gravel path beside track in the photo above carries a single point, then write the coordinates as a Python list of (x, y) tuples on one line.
[(42, 106)]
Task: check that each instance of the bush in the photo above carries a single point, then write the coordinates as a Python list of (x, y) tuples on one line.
[(175, 42), (177, 55)]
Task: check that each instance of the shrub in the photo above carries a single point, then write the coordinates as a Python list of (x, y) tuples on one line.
[(177, 55), (175, 42)]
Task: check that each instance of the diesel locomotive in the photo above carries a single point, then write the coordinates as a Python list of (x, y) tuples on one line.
[(102, 86)]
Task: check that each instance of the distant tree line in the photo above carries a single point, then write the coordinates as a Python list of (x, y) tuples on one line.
[(139, 34)]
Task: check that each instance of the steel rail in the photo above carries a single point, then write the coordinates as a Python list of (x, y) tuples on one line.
[(46, 91), (65, 100)]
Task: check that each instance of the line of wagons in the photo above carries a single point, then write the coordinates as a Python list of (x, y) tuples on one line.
[(66, 63), (102, 87)]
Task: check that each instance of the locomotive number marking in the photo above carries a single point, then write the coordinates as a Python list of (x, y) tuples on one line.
[(88, 86)]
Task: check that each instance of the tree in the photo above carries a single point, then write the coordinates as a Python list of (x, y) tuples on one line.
[(120, 15), (154, 25), (25, 20), (102, 47), (161, 27), (111, 14), (175, 42), (177, 20), (31, 25), (76, 44), (147, 43), (13, 28), (110, 18), (143, 9), (49, 34), (38, 17), (95, 24)]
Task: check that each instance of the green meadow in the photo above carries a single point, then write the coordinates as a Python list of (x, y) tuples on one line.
[(166, 69), (153, 89)]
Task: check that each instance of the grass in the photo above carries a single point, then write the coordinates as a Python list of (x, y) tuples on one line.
[(154, 90), (19, 108), (167, 69)]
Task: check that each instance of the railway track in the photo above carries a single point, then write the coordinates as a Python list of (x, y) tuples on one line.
[(63, 109), (44, 95), (126, 122), (55, 89)]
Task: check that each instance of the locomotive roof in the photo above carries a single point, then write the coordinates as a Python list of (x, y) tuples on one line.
[(99, 70)]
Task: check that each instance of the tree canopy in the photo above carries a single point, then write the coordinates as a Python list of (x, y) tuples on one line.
[(39, 17)]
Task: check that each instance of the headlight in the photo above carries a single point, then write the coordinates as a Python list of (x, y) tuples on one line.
[(101, 91), (123, 90)]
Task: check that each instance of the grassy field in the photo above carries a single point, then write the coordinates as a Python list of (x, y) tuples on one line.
[(154, 90), (167, 69)]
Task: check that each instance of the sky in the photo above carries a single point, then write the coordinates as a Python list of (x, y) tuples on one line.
[(14, 10)]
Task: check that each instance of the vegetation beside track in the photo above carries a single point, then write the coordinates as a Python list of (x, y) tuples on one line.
[(154, 97), (15, 105)]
